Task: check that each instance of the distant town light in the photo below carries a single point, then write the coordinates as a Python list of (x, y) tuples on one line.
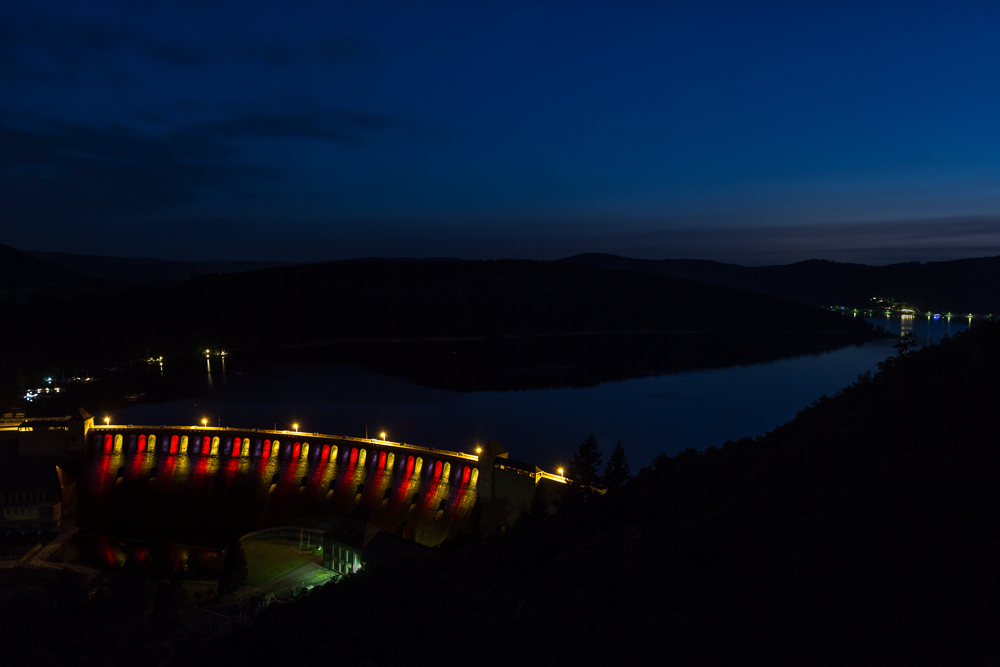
[(479, 450)]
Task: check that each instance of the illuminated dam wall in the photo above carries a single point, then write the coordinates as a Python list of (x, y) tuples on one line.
[(252, 479)]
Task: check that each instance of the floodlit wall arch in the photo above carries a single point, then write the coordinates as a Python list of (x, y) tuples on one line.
[(465, 474), (475, 475), (151, 443), (227, 448), (296, 450), (326, 452), (131, 443), (206, 445), (215, 446), (267, 448), (447, 469), (390, 460), (333, 451), (184, 444), (381, 460), (305, 450), (108, 443), (118, 443), (258, 448), (409, 465), (245, 451), (142, 443), (361, 457), (354, 454), (175, 443), (237, 444), (437, 469), (419, 466)]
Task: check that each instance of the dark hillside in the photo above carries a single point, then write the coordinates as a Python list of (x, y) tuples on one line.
[(865, 531), (965, 285), (146, 269), (381, 300), (22, 276)]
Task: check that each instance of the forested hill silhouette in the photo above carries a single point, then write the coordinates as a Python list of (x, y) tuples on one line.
[(146, 269), (427, 299), (392, 300), (964, 285), (369, 301), (864, 531), (22, 275)]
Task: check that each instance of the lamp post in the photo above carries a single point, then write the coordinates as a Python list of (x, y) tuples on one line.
[(561, 472), (107, 421), (382, 435), (204, 423), (296, 427)]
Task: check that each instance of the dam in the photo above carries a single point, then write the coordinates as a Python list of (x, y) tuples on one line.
[(214, 478)]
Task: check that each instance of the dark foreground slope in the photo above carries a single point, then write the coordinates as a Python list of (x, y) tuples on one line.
[(964, 285), (865, 531)]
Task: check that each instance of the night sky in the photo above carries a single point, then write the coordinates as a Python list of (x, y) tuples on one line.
[(747, 132)]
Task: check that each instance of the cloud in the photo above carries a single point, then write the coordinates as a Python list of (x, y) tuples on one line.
[(44, 49), (68, 173), (258, 52), (343, 126), (178, 56), (333, 51)]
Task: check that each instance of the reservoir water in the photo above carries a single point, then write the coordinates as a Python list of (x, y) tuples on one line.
[(665, 413)]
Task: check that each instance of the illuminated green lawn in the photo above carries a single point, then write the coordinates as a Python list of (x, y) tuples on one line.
[(267, 559)]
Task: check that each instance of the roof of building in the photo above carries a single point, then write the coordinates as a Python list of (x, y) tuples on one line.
[(517, 465), (351, 532), (494, 448), (386, 546)]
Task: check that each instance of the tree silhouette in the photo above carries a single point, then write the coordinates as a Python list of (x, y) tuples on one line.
[(586, 463), (617, 471)]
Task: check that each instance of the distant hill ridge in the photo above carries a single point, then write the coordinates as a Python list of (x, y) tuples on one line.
[(22, 275), (146, 269), (964, 285)]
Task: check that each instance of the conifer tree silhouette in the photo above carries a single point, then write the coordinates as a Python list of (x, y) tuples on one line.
[(586, 463), (617, 471)]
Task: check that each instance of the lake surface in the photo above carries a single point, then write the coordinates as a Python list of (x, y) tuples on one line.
[(666, 413)]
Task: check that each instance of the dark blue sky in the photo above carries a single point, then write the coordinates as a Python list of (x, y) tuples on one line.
[(751, 132)]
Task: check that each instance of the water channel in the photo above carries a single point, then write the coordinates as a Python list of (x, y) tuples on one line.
[(664, 413)]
